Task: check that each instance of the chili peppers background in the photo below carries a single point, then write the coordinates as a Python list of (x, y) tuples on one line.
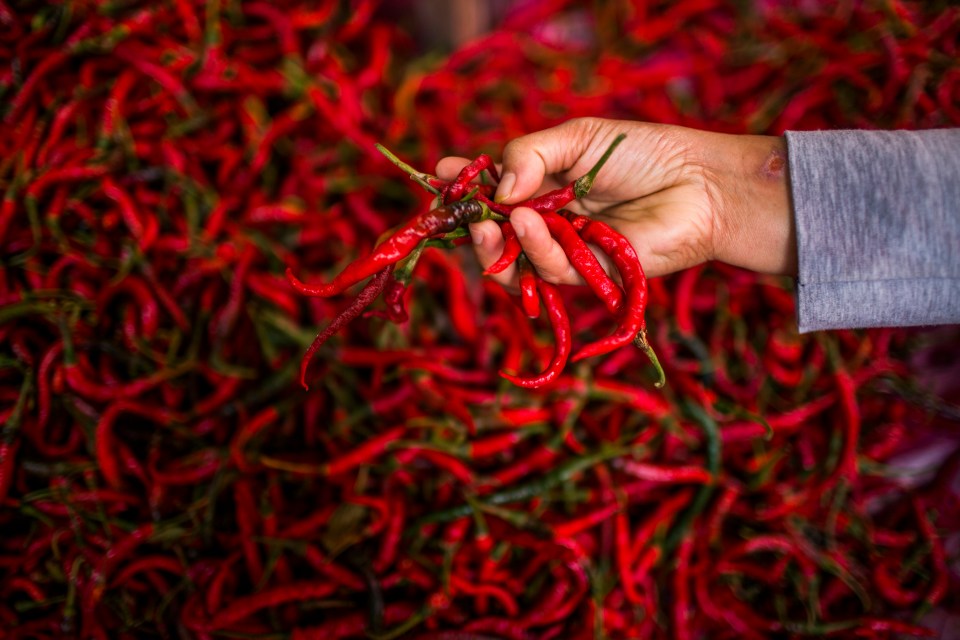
[(163, 475)]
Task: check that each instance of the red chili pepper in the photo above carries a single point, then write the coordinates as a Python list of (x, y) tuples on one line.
[(395, 248), (537, 461), (624, 559), (583, 260), (364, 453), (884, 576), (625, 259), (61, 175), (8, 453), (227, 315), (661, 473), (393, 300), (247, 432), (529, 298), (561, 332), (681, 590), (511, 250), (462, 184), (592, 519), (246, 606)]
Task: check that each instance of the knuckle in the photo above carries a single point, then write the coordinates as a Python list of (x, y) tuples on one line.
[(514, 148), (584, 124)]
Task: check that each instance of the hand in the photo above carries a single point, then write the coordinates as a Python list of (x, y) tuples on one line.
[(680, 196)]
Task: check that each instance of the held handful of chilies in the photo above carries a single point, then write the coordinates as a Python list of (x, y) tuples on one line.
[(390, 265)]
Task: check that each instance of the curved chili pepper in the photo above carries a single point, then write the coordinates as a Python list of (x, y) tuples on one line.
[(560, 323), (367, 295), (583, 260), (624, 257), (461, 185), (511, 250), (393, 294)]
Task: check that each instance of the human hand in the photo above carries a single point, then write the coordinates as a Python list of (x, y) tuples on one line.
[(680, 196)]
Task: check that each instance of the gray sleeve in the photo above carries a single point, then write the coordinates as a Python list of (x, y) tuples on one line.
[(878, 227)]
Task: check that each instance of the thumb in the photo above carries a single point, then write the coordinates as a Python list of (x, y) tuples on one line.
[(528, 159)]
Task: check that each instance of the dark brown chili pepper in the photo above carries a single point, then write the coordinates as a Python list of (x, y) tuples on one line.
[(363, 300), (395, 248)]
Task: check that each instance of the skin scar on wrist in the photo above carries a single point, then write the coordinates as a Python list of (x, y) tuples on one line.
[(775, 164)]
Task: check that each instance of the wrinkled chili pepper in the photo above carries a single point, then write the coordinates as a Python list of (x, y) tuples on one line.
[(396, 247)]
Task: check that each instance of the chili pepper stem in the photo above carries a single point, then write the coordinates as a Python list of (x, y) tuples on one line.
[(641, 342), (584, 183), (423, 179)]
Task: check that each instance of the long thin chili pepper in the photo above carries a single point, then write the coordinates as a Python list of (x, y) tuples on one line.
[(367, 295), (584, 261), (511, 250), (560, 323), (627, 263), (396, 247), (632, 323)]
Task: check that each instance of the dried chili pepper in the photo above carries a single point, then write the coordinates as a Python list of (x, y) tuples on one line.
[(367, 295), (396, 247)]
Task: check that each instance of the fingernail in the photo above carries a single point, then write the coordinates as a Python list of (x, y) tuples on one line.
[(477, 236), (519, 228), (505, 188)]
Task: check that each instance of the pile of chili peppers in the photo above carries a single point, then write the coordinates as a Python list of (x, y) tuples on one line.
[(162, 474)]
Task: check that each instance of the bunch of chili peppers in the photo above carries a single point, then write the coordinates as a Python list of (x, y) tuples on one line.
[(162, 474), (459, 203)]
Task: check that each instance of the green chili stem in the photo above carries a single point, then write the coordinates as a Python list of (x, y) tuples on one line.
[(584, 183), (641, 342), (423, 179)]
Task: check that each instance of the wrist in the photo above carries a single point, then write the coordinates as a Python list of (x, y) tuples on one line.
[(754, 224)]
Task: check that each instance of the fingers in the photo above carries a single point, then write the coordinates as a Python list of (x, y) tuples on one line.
[(488, 245), (528, 159), (543, 251), (669, 231), (449, 167)]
